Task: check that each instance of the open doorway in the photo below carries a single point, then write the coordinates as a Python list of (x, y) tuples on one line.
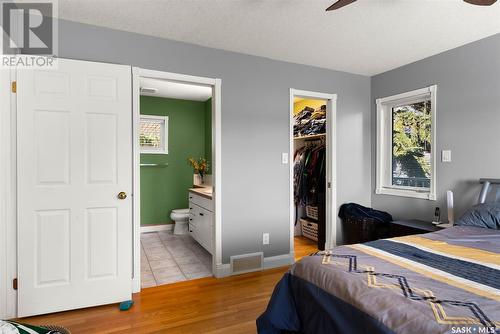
[(312, 172), (176, 193)]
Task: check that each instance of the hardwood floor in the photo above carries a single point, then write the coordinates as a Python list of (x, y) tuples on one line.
[(207, 305), (304, 247)]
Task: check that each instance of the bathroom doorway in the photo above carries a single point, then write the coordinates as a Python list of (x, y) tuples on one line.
[(176, 177), (313, 222)]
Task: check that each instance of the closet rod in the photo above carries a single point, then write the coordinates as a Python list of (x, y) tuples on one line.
[(314, 141), (154, 165)]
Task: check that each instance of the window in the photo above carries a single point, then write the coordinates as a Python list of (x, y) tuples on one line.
[(153, 134), (406, 145)]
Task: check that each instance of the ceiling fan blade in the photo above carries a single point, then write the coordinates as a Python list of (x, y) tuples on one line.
[(340, 4), (481, 2)]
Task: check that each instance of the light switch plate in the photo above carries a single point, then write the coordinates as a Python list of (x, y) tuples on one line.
[(284, 158), (265, 238), (446, 155)]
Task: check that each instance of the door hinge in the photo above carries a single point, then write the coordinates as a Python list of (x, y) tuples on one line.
[(14, 284), (329, 185), (14, 86)]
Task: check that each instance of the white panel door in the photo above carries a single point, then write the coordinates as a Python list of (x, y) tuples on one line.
[(74, 143)]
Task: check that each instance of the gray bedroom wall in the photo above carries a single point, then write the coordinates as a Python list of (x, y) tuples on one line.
[(468, 122), (255, 115)]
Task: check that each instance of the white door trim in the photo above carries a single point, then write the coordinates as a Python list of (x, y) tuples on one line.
[(8, 214), (137, 73), (331, 164)]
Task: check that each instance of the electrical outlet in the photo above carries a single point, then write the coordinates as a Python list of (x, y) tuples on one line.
[(284, 158), (265, 238)]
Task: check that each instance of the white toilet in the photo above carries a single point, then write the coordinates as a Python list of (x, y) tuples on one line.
[(181, 219)]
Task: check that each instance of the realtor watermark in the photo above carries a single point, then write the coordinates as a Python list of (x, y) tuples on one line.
[(473, 330), (30, 33)]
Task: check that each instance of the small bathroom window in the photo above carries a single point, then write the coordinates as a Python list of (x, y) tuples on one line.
[(153, 134)]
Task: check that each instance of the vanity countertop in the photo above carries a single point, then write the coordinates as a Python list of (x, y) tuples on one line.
[(202, 191)]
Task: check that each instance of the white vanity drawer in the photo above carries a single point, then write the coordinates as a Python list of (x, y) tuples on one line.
[(193, 231), (193, 213), (201, 223), (201, 201), (201, 226)]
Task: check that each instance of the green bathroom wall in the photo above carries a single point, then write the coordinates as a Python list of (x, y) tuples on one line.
[(166, 188)]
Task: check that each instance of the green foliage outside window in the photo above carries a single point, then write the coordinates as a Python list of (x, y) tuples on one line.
[(411, 144), (149, 140)]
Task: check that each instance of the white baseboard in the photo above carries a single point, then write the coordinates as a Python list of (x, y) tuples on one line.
[(224, 269), (157, 228), (279, 261)]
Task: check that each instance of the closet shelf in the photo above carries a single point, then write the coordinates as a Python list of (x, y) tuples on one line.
[(321, 135)]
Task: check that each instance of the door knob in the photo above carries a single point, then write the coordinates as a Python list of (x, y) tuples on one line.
[(122, 195)]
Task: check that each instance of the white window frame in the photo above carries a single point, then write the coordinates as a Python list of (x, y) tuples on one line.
[(384, 144), (163, 149)]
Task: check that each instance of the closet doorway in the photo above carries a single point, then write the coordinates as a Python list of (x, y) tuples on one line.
[(313, 223)]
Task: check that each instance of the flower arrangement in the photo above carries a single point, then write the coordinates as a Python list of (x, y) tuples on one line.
[(200, 166)]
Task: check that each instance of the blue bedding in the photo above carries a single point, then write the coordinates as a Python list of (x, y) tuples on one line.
[(441, 282), (294, 296)]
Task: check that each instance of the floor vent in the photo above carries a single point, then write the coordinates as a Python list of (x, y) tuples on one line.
[(247, 262)]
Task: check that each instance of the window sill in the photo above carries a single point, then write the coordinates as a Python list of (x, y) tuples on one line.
[(406, 193)]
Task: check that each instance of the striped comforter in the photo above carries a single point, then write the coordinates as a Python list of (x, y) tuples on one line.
[(441, 282)]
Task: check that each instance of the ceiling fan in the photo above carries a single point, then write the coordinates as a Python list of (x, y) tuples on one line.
[(342, 3)]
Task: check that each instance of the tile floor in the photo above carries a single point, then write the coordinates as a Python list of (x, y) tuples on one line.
[(168, 258)]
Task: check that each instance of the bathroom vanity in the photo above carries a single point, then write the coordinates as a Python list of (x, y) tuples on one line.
[(201, 217)]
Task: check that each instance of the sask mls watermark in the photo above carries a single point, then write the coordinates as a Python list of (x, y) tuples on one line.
[(29, 33), (474, 329)]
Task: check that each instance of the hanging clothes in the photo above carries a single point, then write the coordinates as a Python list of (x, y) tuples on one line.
[(309, 174)]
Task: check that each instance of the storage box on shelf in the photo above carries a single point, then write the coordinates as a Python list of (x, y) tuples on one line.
[(312, 212), (309, 229)]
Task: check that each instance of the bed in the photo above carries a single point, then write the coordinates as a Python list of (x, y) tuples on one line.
[(442, 282)]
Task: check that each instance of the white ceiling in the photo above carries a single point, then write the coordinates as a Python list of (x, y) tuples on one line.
[(176, 90), (367, 37)]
